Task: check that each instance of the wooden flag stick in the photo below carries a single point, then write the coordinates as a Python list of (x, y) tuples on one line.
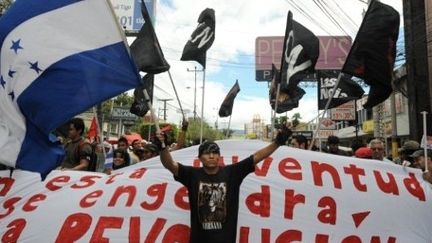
[(424, 113), (202, 107), (177, 96), (273, 120), (325, 111), (229, 124)]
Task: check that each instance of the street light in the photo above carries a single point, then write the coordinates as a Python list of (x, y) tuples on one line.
[(194, 104), (195, 71)]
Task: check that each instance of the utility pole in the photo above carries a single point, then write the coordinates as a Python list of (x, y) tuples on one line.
[(164, 109), (195, 71), (419, 83)]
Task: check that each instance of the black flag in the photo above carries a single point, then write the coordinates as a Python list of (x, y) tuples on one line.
[(347, 89), (373, 52), (288, 98), (146, 50), (201, 39), (299, 56), (300, 53), (227, 105), (139, 106)]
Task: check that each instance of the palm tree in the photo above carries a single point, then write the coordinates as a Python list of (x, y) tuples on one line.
[(296, 119)]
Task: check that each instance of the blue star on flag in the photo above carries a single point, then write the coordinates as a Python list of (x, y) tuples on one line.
[(35, 67), (2, 81), (11, 73), (12, 95), (16, 46)]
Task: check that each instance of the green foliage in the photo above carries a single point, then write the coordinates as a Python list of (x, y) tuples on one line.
[(192, 134), (4, 5), (224, 132), (251, 136), (121, 100), (194, 131), (296, 119), (280, 120), (144, 129)]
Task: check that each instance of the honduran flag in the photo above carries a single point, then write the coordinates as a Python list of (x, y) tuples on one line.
[(58, 58)]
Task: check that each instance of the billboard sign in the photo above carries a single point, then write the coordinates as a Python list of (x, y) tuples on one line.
[(122, 113), (307, 134), (344, 112), (268, 50), (129, 15), (327, 124)]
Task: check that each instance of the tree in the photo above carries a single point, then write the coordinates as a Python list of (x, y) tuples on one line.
[(194, 131), (230, 132), (280, 120), (147, 129), (4, 5), (296, 119)]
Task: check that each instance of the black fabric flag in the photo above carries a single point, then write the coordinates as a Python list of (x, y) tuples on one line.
[(139, 106), (146, 50), (299, 56), (373, 52), (300, 53), (227, 105), (201, 39), (288, 98), (347, 89)]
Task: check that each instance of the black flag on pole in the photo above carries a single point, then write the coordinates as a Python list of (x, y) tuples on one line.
[(146, 50), (201, 39), (300, 53), (288, 98), (347, 89), (299, 56), (227, 105), (373, 52), (139, 106)]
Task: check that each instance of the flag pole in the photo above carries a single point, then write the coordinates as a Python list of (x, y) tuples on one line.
[(177, 96), (275, 109), (229, 124), (202, 107), (325, 110), (424, 113), (100, 136), (356, 119)]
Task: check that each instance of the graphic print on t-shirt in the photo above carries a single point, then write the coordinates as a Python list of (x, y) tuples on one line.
[(212, 205)]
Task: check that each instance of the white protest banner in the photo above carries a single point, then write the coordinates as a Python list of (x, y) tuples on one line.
[(293, 196)]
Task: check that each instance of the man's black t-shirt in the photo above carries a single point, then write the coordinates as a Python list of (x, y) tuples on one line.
[(214, 200)]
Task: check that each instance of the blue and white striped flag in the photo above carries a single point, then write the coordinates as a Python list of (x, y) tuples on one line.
[(58, 58)]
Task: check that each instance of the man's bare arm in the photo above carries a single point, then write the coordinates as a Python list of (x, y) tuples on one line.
[(83, 165), (264, 152), (282, 136)]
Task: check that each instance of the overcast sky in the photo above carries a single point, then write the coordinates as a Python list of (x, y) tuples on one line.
[(232, 56)]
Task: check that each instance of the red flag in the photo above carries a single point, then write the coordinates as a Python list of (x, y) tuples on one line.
[(92, 133)]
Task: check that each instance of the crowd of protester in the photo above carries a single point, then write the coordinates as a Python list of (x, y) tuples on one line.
[(82, 154), (410, 153)]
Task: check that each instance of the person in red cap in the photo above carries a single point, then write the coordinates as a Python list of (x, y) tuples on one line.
[(213, 189), (364, 153)]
